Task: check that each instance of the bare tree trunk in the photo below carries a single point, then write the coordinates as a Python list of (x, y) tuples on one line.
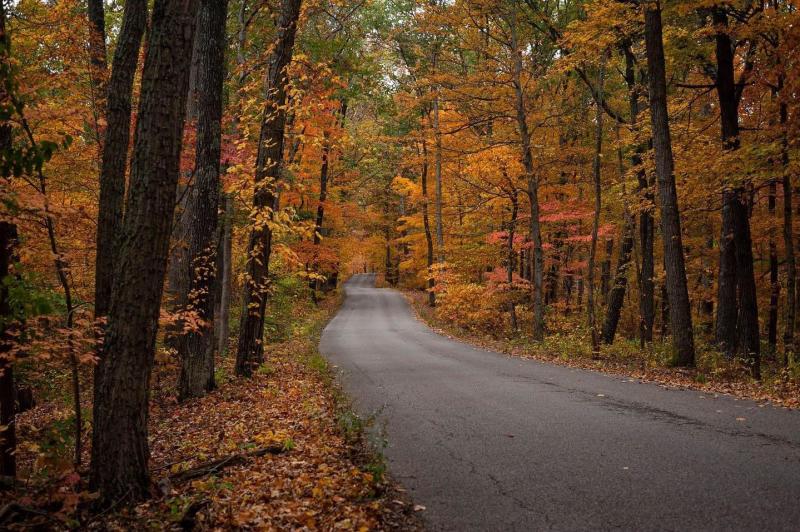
[(677, 291), (426, 222), (438, 175), (596, 171), (605, 270), (120, 450), (737, 307), (98, 58), (196, 348), (8, 243), (250, 351), (115, 150), (616, 295), (533, 191)]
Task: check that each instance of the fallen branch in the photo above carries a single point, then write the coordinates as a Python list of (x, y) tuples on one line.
[(209, 468), (13, 511)]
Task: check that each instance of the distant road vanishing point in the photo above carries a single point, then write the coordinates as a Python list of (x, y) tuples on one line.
[(489, 442)]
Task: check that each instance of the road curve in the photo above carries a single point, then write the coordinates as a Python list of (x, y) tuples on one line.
[(489, 442)]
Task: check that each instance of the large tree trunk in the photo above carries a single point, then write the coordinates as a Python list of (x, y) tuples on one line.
[(115, 149), (250, 352), (120, 451), (8, 242), (737, 306), (196, 348), (677, 291)]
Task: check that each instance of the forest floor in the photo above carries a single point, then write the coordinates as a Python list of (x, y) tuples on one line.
[(713, 374), (281, 450)]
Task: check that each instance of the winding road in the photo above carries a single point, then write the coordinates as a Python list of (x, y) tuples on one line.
[(485, 441)]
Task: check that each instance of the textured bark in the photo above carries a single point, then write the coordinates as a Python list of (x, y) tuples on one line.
[(250, 351), (8, 242), (677, 291), (120, 451), (196, 348), (8, 439), (426, 222), (616, 295), (737, 306), (537, 258), (597, 187), (115, 149)]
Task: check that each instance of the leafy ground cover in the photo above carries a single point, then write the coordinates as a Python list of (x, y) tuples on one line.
[(281, 450)]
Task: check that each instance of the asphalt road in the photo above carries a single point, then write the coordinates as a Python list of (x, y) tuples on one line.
[(489, 442)]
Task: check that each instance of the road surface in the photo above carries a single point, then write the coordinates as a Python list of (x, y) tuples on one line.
[(490, 442)]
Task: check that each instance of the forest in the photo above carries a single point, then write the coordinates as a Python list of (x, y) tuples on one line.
[(187, 184)]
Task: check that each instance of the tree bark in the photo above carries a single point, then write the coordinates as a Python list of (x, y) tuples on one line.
[(196, 348), (426, 223), (788, 240), (677, 291), (95, 13), (737, 306), (250, 351), (115, 149), (597, 186), (438, 178), (512, 225), (8, 243), (533, 191), (120, 451), (616, 295)]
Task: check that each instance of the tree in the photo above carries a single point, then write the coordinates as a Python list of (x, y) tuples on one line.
[(679, 309), (115, 149), (196, 347), (120, 450), (250, 350)]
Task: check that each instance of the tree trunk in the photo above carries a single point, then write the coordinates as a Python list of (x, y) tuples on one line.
[(8, 242), (196, 348), (775, 287), (120, 451), (95, 13), (788, 241), (8, 412), (115, 150), (512, 224), (426, 222), (677, 291), (616, 295), (737, 317), (533, 192), (605, 270), (250, 351), (596, 171), (224, 277), (438, 175)]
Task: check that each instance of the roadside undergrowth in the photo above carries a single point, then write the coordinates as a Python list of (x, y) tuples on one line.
[(279, 451), (652, 363)]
